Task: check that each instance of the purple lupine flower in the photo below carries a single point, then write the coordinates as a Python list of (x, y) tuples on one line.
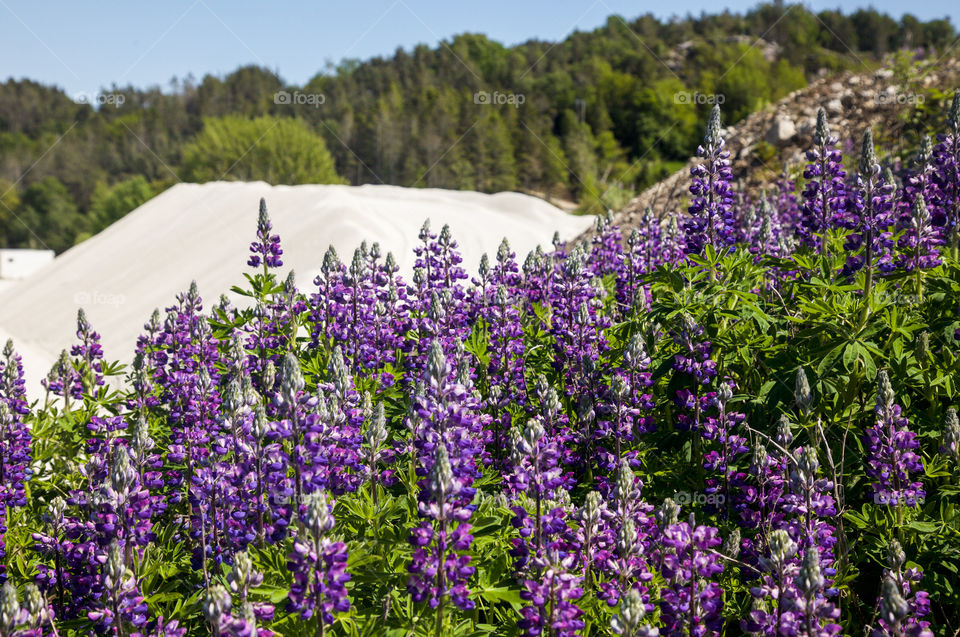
[(576, 323), (606, 249), (870, 216), (920, 182), (951, 435), (625, 412), (775, 588), (642, 257), (551, 598), (824, 196), (711, 218), (440, 569), (891, 452), (318, 564), (540, 503), (673, 244), (720, 431), (266, 249), (811, 504), (122, 603), (274, 326), (86, 371), (593, 535), (217, 606), (53, 545), (812, 612), (349, 315), (505, 371), (324, 431), (535, 461), (436, 304), (445, 412), (694, 360), (901, 606), (61, 375), (628, 619), (688, 561), (946, 176), (764, 232), (33, 619), (785, 201), (919, 245), (760, 502), (694, 355), (627, 535), (15, 441), (240, 580)]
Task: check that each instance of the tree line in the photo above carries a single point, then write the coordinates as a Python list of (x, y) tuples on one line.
[(590, 119)]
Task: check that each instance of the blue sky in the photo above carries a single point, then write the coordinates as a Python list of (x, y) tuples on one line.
[(83, 46)]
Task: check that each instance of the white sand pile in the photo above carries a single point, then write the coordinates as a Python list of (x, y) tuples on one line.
[(202, 232)]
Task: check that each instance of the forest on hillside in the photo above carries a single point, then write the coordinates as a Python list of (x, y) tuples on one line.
[(590, 119)]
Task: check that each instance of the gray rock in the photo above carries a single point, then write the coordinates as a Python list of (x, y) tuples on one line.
[(807, 127), (781, 132), (834, 107)]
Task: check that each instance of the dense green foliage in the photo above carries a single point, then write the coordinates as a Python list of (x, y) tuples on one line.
[(600, 117), (279, 151)]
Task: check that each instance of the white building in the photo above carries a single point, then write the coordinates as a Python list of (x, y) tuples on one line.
[(19, 264)]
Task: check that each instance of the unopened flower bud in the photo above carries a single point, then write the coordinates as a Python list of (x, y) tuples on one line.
[(802, 395), (441, 476), (893, 607), (260, 425), (631, 613), (36, 606), (437, 369), (503, 252), (115, 569), (292, 382), (376, 432), (784, 436), (446, 238), (216, 604), (712, 137), (10, 616), (781, 546), (243, 577), (809, 579), (317, 516), (951, 434), (668, 513), (896, 558), (627, 538), (885, 395), (123, 475), (822, 132), (731, 545), (269, 376)]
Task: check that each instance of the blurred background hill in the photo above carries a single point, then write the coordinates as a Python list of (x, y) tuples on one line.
[(586, 122)]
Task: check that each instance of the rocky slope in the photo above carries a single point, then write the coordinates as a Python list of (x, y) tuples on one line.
[(780, 134)]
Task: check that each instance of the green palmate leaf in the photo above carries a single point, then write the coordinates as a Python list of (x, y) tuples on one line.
[(478, 342), (922, 527), (510, 596)]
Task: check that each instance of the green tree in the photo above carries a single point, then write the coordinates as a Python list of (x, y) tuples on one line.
[(48, 217), (110, 203), (278, 151)]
